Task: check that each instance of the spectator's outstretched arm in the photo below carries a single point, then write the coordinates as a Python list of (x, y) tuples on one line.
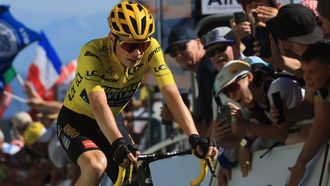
[(318, 135), (35, 101), (276, 132)]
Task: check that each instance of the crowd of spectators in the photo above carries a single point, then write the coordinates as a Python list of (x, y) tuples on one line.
[(276, 54), (272, 70)]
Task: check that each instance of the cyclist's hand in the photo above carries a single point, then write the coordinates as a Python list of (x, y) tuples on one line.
[(203, 147), (124, 153)]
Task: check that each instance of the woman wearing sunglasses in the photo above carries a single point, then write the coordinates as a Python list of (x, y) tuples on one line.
[(110, 70)]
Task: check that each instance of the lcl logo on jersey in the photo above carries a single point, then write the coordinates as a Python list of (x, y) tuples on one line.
[(131, 71), (160, 68), (8, 40)]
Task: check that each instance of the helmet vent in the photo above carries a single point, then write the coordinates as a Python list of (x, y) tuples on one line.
[(144, 22), (133, 21), (121, 15), (126, 29), (115, 26), (150, 28), (140, 7), (129, 7)]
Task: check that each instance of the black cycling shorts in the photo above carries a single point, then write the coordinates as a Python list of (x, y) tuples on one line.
[(79, 133)]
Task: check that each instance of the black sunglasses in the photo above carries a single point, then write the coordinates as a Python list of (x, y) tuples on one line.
[(234, 86), (213, 51), (176, 49)]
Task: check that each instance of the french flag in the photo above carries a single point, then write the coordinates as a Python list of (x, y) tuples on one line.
[(45, 69), (67, 73)]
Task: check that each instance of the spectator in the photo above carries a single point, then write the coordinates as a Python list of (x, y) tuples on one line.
[(21, 122), (294, 28), (188, 51), (258, 12), (316, 66), (323, 9), (219, 44), (252, 87)]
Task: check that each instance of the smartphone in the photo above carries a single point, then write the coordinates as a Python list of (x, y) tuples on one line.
[(224, 113), (277, 101), (262, 35), (239, 17)]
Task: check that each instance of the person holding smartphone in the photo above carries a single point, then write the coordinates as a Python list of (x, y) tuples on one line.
[(252, 86), (250, 30)]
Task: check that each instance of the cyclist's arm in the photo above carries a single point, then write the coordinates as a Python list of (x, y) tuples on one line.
[(103, 114), (178, 108)]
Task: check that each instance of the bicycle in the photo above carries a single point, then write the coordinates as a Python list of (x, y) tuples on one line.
[(143, 176)]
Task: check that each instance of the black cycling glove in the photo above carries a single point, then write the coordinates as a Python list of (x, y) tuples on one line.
[(203, 142), (121, 149)]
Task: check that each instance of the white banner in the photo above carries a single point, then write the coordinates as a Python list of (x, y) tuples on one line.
[(220, 7)]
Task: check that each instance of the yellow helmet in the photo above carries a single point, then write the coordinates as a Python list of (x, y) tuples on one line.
[(131, 20)]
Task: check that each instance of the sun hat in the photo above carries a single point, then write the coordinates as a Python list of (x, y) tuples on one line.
[(229, 73)]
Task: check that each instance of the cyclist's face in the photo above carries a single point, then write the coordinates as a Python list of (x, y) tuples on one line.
[(130, 52)]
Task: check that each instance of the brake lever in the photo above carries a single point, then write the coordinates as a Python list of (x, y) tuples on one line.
[(210, 164)]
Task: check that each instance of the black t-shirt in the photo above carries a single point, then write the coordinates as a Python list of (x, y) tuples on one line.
[(205, 79)]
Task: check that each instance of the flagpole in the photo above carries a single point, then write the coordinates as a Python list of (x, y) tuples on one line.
[(15, 97), (20, 79)]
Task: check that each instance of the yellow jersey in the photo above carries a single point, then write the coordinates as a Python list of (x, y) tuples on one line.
[(98, 66)]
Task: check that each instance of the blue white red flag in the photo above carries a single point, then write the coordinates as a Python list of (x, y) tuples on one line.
[(45, 68), (14, 36)]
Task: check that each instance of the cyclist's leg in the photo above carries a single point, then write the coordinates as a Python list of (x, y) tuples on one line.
[(78, 139)]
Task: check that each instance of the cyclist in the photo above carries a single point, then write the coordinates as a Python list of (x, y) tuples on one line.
[(109, 70)]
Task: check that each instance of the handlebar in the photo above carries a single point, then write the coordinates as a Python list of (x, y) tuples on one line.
[(202, 173), (148, 158)]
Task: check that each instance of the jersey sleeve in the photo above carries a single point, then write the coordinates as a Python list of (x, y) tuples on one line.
[(156, 63), (89, 69)]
